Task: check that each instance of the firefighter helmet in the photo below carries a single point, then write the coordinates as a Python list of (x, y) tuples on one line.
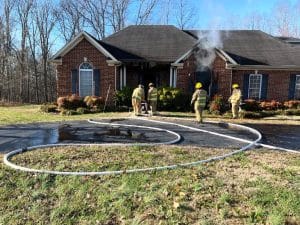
[(235, 86), (151, 85), (141, 86), (198, 85)]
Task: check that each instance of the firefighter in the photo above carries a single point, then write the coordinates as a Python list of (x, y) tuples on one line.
[(138, 96), (152, 98), (235, 100), (199, 100)]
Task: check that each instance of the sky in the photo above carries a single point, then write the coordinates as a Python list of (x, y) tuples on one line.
[(217, 11)]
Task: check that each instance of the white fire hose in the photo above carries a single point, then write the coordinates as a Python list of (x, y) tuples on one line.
[(177, 139)]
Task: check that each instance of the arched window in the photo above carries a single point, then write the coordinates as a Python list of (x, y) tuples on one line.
[(85, 79)]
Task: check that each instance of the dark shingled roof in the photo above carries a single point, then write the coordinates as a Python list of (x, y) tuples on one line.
[(160, 43), (118, 53), (254, 47)]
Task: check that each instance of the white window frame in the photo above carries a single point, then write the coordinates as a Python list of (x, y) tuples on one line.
[(86, 70), (260, 86), (297, 84)]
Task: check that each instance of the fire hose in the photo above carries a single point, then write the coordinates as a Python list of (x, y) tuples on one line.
[(249, 145)]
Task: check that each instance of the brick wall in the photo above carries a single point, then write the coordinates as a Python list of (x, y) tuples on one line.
[(74, 58), (278, 82), (222, 77), (185, 76)]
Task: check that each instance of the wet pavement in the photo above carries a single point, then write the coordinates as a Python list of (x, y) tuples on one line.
[(285, 136), (20, 136)]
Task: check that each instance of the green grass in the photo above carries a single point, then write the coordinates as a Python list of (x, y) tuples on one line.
[(32, 114), (222, 192)]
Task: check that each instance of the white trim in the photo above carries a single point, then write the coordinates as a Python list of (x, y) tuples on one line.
[(115, 78), (69, 46), (93, 84), (260, 85), (185, 55), (227, 56)]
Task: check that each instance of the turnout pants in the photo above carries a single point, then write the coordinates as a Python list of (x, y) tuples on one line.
[(198, 112), (136, 104)]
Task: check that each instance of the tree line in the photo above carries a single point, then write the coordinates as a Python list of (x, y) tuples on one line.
[(31, 30)]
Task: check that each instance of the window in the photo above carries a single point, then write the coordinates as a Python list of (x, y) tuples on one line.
[(255, 82), (85, 80), (297, 87)]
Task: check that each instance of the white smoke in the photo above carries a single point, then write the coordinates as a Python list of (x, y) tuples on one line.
[(205, 52)]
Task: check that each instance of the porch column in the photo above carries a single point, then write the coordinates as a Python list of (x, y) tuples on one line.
[(173, 76), (123, 74)]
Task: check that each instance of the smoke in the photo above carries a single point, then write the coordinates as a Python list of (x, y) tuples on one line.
[(205, 51)]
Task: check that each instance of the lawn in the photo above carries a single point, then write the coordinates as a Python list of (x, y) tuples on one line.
[(32, 114), (255, 187)]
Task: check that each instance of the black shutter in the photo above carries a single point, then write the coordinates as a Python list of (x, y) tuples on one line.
[(96, 80), (264, 87), (292, 86), (74, 77), (246, 86)]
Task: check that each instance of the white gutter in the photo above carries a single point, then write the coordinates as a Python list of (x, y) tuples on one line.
[(262, 67)]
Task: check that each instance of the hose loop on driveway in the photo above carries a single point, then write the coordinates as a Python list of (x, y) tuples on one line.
[(248, 146)]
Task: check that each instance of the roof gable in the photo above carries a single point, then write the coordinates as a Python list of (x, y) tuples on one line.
[(82, 35), (163, 43)]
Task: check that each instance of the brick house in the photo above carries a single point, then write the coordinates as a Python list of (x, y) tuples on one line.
[(264, 66)]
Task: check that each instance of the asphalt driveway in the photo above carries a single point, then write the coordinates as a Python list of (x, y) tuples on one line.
[(20, 136)]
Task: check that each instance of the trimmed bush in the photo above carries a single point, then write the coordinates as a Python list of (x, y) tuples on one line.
[(123, 97), (251, 105), (270, 105), (94, 102), (70, 102), (172, 99), (292, 104), (217, 106)]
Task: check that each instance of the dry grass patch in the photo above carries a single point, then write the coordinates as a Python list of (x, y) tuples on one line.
[(255, 187)]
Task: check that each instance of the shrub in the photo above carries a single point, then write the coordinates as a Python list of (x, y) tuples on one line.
[(217, 105), (94, 102), (270, 105), (172, 99), (123, 97), (47, 108), (292, 104), (251, 105), (70, 102)]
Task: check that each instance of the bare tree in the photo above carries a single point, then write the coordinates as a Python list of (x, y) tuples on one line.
[(117, 13), (185, 13), (45, 21), (165, 11), (70, 18), (33, 46), (145, 9), (7, 53), (95, 14), (284, 19), (23, 10)]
